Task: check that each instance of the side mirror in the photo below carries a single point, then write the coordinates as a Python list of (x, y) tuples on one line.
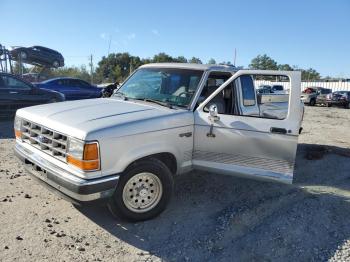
[(213, 113)]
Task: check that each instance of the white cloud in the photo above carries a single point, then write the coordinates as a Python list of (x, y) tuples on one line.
[(155, 32), (131, 36), (103, 35)]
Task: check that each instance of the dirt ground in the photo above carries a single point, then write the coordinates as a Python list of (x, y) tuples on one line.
[(210, 218)]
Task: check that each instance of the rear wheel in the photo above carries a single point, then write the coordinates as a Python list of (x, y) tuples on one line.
[(328, 104), (143, 191), (347, 105)]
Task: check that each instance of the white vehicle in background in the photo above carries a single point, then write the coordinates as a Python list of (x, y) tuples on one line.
[(165, 120), (273, 94)]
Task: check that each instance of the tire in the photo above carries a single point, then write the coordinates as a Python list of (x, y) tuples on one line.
[(23, 55), (347, 105), (312, 102), (56, 64), (52, 100), (328, 105), (126, 202)]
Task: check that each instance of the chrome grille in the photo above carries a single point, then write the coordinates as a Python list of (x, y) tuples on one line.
[(45, 139)]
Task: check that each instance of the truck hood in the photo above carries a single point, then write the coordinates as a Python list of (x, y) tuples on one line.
[(83, 118)]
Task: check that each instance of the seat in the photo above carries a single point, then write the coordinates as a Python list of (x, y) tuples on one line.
[(218, 100)]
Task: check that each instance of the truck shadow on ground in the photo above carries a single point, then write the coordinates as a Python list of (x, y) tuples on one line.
[(226, 218)]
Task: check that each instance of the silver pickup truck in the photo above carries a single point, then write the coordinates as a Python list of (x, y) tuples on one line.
[(164, 120)]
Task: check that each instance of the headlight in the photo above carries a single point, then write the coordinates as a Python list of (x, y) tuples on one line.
[(76, 148), (83, 155), (18, 127)]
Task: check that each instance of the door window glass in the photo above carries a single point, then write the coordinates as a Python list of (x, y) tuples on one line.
[(13, 83), (241, 97), (224, 100), (248, 90), (83, 84)]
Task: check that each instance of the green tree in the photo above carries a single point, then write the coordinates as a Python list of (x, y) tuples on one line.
[(263, 62), (181, 59), (116, 67), (211, 61), (310, 74), (195, 60), (162, 58), (76, 72), (285, 67), (226, 63)]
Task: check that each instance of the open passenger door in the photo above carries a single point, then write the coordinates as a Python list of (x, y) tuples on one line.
[(245, 137)]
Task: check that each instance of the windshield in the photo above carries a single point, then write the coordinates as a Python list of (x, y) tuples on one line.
[(170, 85)]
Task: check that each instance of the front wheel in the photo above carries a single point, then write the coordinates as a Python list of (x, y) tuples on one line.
[(143, 191), (52, 100), (55, 64), (312, 102)]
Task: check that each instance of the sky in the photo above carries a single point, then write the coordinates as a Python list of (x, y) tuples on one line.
[(305, 33)]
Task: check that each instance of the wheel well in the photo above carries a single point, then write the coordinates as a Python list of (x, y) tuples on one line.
[(167, 158)]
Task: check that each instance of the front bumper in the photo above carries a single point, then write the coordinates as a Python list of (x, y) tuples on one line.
[(337, 102), (74, 188), (305, 99)]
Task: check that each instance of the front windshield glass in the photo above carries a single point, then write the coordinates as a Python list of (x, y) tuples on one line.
[(169, 85)]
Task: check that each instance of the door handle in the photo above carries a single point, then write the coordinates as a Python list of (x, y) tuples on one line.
[(188, 134), (13, 92), (278, 130)]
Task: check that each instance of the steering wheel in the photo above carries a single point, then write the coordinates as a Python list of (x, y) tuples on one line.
[(186, 93)]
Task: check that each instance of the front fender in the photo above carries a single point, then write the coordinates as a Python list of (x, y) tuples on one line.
[(144, 151), (118, 153)]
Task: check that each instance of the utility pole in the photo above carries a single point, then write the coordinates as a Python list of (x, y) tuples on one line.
[(109, 45), (234, 59), (91, 70)]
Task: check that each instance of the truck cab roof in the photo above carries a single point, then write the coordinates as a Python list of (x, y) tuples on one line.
[(203, 67)]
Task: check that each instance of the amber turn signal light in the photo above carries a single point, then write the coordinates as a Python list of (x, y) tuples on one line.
[(18, 133), (84, 165), (91, 152)]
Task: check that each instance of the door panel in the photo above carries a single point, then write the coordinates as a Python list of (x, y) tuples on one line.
[(67, 87), (239, 144), (85, 90), (245, 145)]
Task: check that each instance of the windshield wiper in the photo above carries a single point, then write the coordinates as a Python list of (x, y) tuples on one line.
[(156, 102)]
